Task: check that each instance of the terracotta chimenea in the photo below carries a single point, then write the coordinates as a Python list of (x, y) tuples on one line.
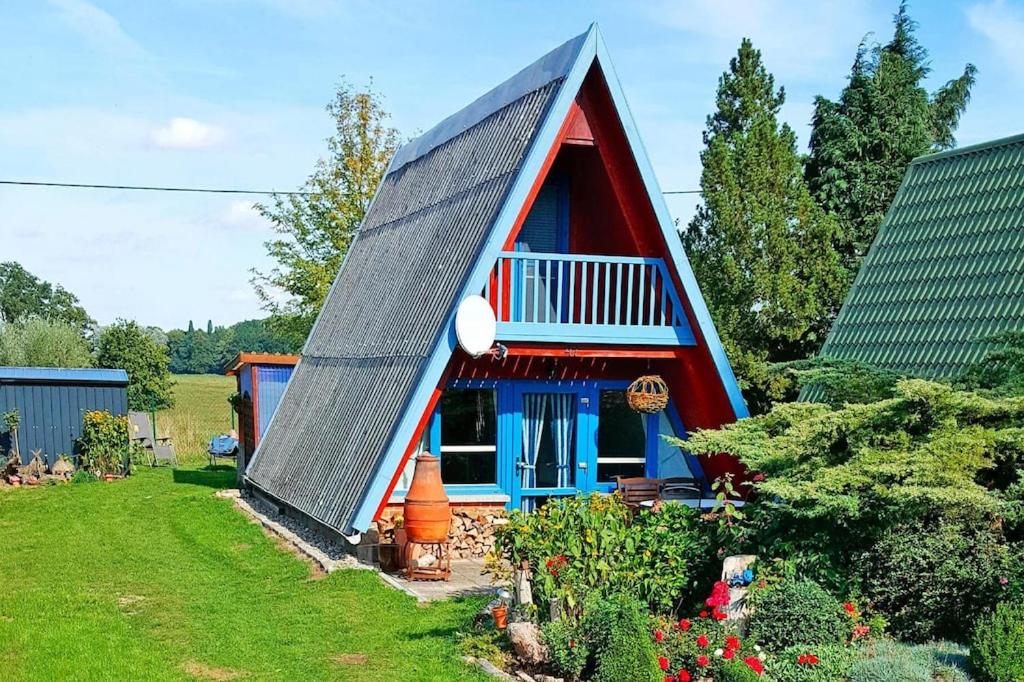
[(427, 512)]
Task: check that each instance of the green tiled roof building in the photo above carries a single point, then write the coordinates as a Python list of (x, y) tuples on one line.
[(946, 269)]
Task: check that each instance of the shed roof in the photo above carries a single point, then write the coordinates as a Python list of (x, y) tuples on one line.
[(63, 375), (245, 358), (946, 269)]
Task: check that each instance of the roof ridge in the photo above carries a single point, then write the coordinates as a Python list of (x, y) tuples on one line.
[(552, 66), (977, 147)]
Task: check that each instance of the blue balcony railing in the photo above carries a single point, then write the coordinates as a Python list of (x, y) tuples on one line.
[(584, 298)]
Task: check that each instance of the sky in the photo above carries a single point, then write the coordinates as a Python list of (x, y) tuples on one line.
[(231, 94)]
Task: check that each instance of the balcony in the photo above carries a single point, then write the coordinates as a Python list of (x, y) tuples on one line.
[(551, 297)]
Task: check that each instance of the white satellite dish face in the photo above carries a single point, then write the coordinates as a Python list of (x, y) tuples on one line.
[(475, 326)]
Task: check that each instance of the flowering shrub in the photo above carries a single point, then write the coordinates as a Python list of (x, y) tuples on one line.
[(706, 645), (594, 544), (567, 647), (106, 442)]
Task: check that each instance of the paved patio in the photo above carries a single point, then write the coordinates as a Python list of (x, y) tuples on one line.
[(467, 579)]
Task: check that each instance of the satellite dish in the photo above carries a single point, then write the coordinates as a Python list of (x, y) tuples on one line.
[(475, 325)]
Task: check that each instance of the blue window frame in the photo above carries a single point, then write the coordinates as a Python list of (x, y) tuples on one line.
[(509, 401)]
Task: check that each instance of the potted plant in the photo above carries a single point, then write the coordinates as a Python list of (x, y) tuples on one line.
[(499, 609)]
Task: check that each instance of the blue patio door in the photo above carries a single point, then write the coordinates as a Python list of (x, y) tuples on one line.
[(551, 444)]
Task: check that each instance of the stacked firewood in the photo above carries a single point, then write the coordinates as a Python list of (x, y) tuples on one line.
[(470, 535)]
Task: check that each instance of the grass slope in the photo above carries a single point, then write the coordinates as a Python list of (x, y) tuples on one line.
[(154, 578), (200, 412)]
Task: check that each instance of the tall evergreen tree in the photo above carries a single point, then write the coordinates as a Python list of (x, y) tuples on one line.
[(316, 228), (861, 144), (760, 246)]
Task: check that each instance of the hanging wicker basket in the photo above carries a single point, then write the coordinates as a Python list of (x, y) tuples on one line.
[(648, 394)]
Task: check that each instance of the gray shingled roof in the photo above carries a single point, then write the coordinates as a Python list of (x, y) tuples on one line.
[(388, 307)]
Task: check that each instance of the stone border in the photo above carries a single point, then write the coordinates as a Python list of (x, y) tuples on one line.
[(307, 549)]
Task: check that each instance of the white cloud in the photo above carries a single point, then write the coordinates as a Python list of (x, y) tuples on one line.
[(828, 30), (242, 215), (98, 28), (1004, 27), (188, 133)]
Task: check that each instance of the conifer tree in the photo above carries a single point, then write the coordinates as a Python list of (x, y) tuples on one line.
[(760, 246), (861, 143)]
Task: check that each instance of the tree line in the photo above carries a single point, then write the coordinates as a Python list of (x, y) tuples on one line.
[(44, 325)]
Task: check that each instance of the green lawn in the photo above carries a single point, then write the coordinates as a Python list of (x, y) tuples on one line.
[(155, 578), (200, 411)]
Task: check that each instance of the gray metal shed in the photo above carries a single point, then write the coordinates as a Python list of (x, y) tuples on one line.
[(52, 401)]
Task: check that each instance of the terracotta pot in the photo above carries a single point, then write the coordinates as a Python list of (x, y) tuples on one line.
[(427, 512), (500, 614), (108, 477)]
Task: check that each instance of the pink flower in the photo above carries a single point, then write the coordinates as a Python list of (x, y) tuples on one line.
[(662, 662), (860, 631)]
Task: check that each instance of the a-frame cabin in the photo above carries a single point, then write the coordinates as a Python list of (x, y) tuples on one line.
[(539, 196)]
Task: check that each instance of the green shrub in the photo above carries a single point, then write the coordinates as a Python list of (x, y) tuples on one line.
[(567, 647), (997, 648), (488, 644), (577, 546), (83, 476), (886, 660), (797, 612), (618, 634), (925, 579), (834, 661)]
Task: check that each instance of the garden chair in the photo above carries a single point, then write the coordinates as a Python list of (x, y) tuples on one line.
[(159, 449), (637, 490)]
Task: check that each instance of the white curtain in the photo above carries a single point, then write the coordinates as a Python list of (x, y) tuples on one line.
[(534, 405), (563, 423)]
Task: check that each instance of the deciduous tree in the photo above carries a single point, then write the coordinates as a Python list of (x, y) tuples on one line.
[(124, 345), (316, 228)]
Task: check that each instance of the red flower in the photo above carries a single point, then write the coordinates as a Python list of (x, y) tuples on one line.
[(668, 678), (683, 676), (719, 594), (662, 662), (758, 477), (703, 661), (755, 664), (732, 642), (703, 614), (860, 631), (850, 608), (659, 635), (684, 625), (555, 564), (812, 659), (717, 614), (807, 659), (702, 641), (728, 654)]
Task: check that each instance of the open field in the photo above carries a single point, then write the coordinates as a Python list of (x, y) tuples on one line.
[(200, 411), (155, 578)]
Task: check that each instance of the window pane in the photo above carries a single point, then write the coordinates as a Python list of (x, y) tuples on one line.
[(549, 441), (468, 437), (621, 434), (468, 417)]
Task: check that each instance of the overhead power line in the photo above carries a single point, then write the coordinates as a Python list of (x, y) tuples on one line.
[(203, 190), (146, 188)]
